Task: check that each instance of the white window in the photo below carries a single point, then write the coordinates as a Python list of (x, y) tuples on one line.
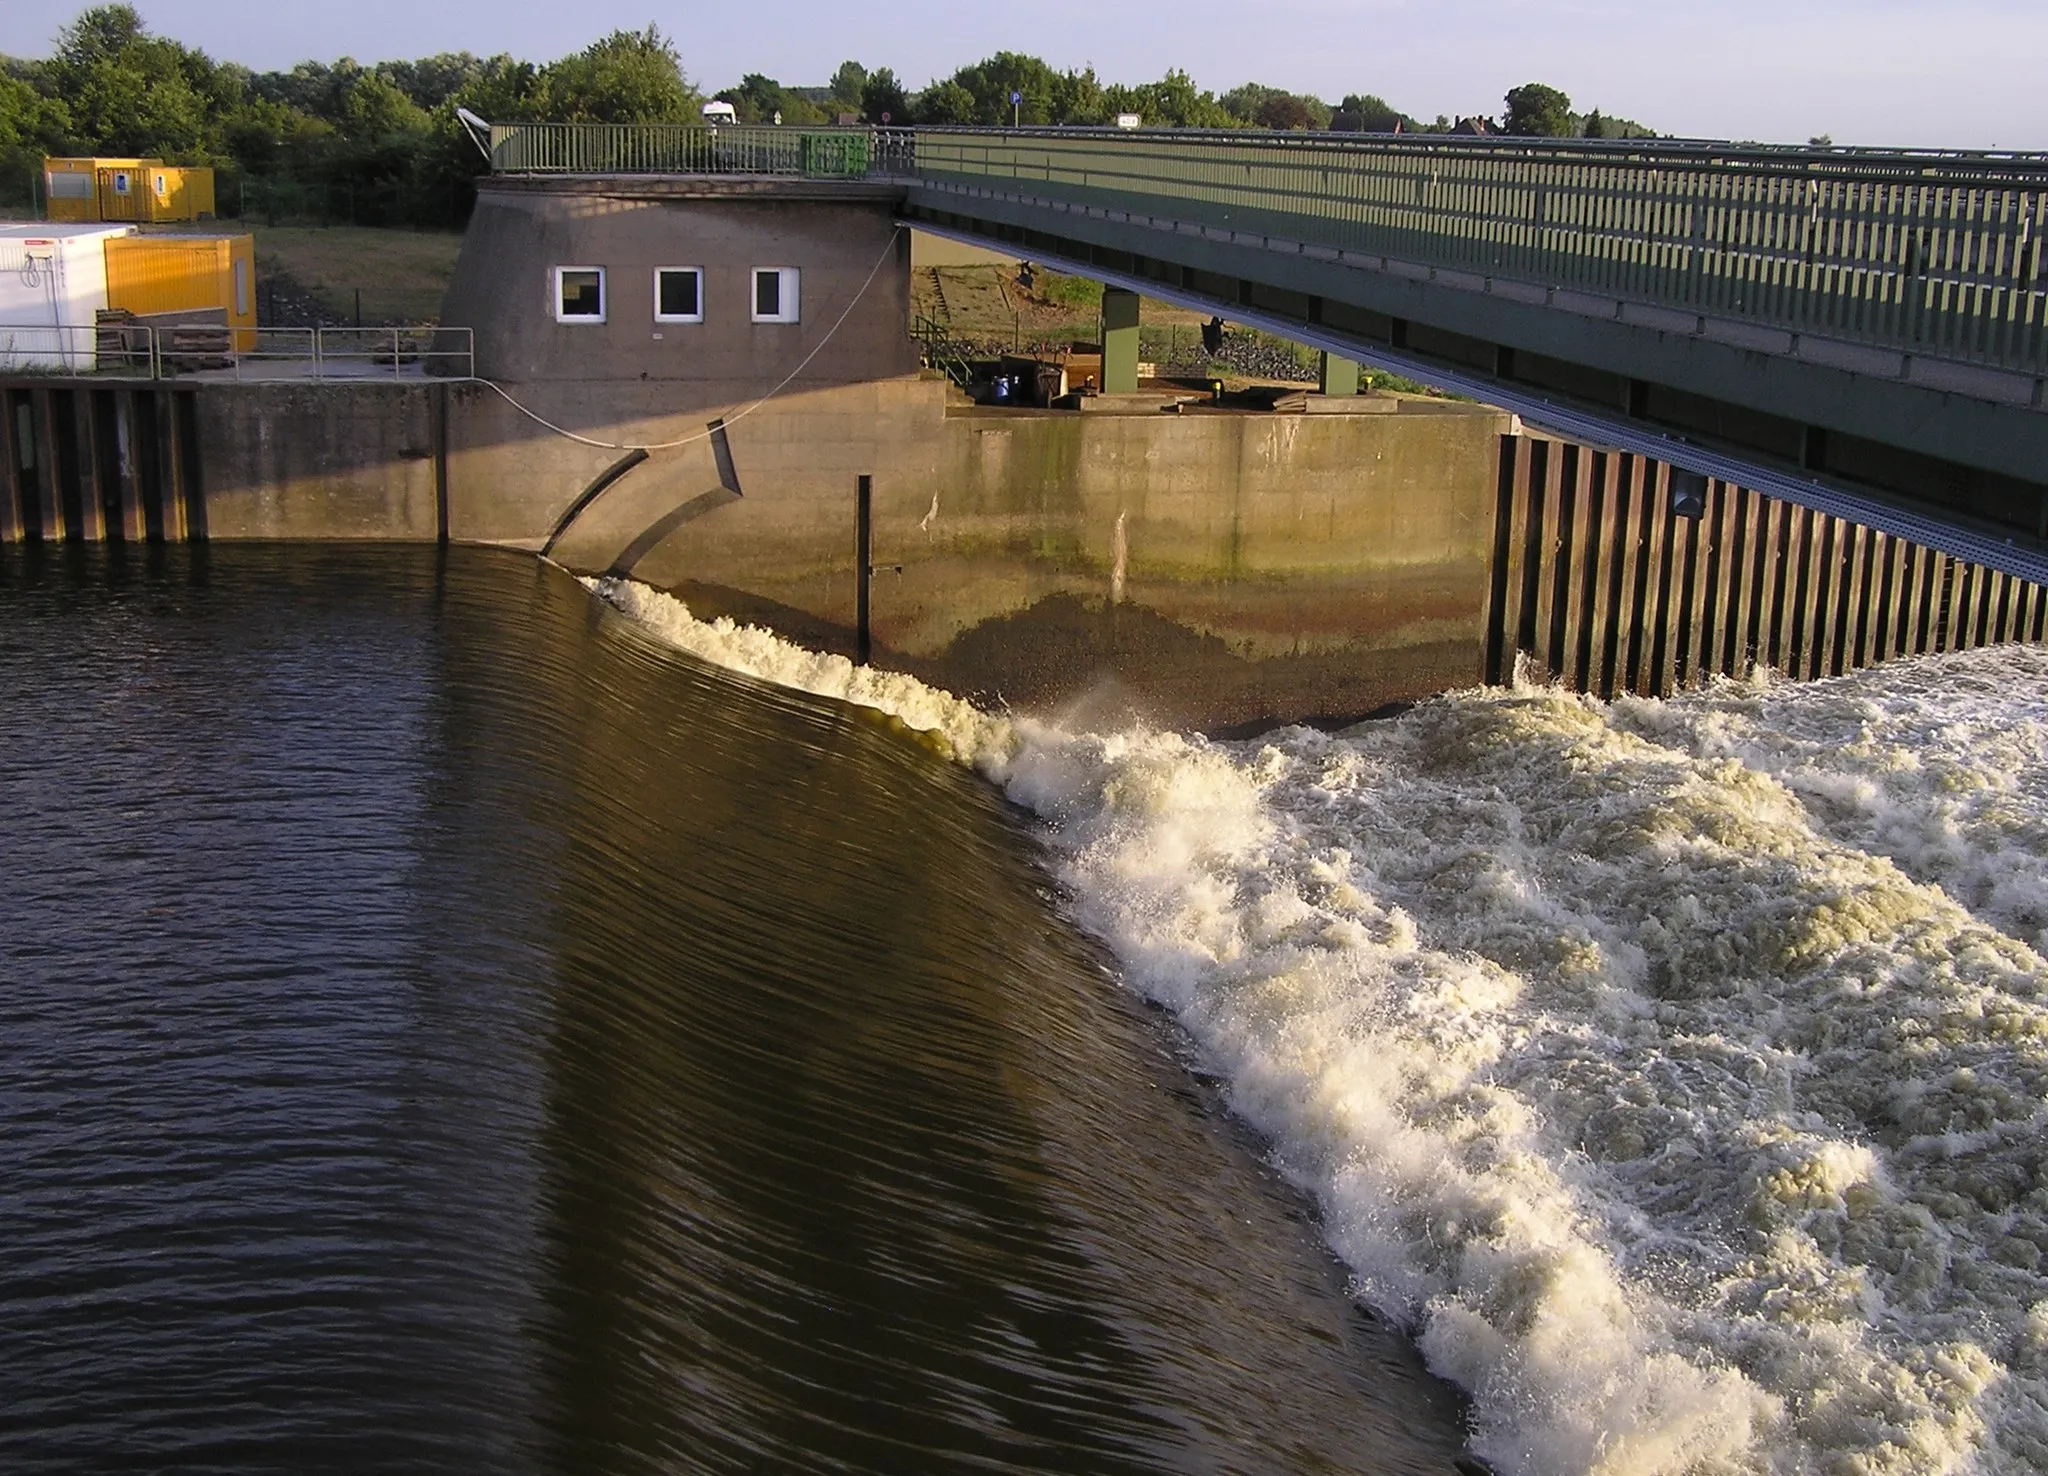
[(679, 294), (579, 294), (121, 182), (775, 295), (70, 186), (163, 187), (241, 289)]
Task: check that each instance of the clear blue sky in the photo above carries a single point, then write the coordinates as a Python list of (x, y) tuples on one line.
[(1937, 73)]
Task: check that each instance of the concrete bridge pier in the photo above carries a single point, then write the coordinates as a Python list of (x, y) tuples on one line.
[(1119, 341), (1337, 376)]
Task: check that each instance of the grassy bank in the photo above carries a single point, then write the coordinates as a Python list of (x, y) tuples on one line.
[(401, 274)]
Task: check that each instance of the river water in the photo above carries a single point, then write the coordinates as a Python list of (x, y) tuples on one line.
[(446, 1029), (458, 1019)]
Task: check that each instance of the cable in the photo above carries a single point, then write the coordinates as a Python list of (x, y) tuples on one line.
[(705, 435)]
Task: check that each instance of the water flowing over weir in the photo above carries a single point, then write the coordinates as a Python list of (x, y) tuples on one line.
[(444, 1029), (1679, 1069)]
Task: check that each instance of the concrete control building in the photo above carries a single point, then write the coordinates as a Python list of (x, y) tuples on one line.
[(713, 287)]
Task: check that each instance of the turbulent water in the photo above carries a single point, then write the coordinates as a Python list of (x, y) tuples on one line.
[(1676, 1071), (444, 1029)]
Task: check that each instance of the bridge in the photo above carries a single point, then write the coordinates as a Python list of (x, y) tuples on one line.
[(1863, 333)]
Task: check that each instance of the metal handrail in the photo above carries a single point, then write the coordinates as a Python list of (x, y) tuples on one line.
[(147, 351), (1919, 251)]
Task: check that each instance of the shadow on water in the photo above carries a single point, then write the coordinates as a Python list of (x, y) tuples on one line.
[(450, 1031)]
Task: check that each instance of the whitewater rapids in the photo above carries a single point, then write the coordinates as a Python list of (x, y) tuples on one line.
[(1677, 1071)]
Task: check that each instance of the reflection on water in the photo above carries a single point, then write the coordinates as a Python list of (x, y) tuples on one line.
[(445, 1030)]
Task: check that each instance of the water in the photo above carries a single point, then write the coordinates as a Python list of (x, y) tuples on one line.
[(1677, 1070), (444, 1028), (452, 1021)]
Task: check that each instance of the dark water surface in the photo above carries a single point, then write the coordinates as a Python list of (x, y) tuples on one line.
[(441, 1030)]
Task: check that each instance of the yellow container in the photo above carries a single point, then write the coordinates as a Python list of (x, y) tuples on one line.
[(155, 192), (73, 186), (180, 274)]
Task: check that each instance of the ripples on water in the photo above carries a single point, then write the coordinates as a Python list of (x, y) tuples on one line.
[(445, 1030)]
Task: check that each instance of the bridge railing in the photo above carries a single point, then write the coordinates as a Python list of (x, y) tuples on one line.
[(1941, 254), (679, 148), (1936, 253)]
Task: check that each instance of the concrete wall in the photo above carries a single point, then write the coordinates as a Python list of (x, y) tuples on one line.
[(312, 461), (842, 239), (1203, 569)]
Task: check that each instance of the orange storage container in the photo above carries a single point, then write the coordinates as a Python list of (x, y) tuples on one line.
[(147, 275)]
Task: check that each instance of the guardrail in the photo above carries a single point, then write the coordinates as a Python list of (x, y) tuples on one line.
[(1926, 253), (213, 351), (680, 148), (1917, 251)]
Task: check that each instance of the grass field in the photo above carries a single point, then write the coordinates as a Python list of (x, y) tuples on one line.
[(401, 274)]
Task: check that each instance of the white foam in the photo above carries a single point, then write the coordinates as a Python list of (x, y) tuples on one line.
[(1689, 1132)]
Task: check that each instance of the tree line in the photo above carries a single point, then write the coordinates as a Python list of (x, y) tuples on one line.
[(381, 143)]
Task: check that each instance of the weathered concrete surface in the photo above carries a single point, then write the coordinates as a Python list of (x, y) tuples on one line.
[(313, 461), (1202, 569)]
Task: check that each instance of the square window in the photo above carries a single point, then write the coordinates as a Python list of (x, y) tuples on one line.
[(579, 294), (679, 295), (775, 294)]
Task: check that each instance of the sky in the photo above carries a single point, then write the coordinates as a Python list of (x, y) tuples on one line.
[(1920, 73)]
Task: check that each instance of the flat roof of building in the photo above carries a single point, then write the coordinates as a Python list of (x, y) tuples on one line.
[(52, 230)]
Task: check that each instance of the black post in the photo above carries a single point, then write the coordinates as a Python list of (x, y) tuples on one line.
[(863, 566), (359, 307)]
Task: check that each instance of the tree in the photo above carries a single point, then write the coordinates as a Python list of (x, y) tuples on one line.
[(1537, 111), (1275, 107), (945, 102), (882, 99), (1171, 102), (1362, 112), (628, 77), (848, 83), (760, 99)]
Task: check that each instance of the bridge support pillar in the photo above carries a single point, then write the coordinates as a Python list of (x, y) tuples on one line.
[(1337, 376), (1119, 341)]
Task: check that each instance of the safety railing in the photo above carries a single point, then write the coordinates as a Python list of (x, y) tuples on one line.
[(1923, 252), (676, 148), (148, 351), (1933, 253)]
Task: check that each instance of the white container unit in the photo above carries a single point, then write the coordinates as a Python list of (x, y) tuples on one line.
[(53, 283)]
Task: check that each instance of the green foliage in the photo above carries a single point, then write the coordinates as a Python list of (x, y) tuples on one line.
[(847, 85), (1172, 102), (1276, 108), (760, 99), (628, 77), (1537, 111), (882, 99), (1363, 112)]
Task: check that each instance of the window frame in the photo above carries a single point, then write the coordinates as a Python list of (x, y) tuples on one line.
[(789, 295), (582, 319), (662, 317)]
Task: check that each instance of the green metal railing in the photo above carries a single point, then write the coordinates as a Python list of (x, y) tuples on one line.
[(1934, 253), (678, 148)]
